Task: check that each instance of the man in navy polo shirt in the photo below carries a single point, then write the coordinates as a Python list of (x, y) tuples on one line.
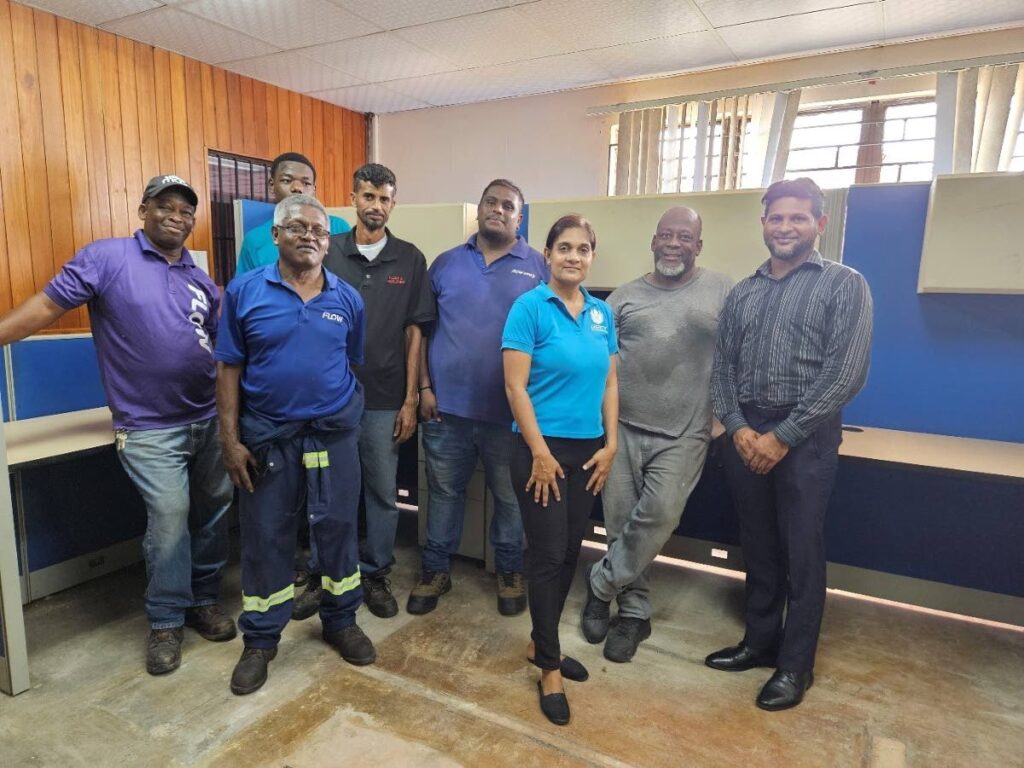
[(462, 394), (289, 409), (154, 319)]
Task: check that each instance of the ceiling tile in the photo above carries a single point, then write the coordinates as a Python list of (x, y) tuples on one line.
[(396, 14), (91, 12), (810, 32), (578, 25), (176, 30), (294, 24), (917, 18), (504, 80), (664, 56), (370, 98), (380, 57), (293, 71), (495, 37), (723, 13)]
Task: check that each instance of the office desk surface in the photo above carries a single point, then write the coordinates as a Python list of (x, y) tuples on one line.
[(961, 454), (47, 437)]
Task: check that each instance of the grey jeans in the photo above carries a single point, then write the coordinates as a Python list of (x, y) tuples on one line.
[(650, 480)]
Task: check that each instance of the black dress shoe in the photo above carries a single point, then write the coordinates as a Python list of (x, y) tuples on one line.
[(739, 658), (570, 669), (784, 689), (554, 706)]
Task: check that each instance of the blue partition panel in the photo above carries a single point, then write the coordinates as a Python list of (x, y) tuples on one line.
[(55, 375), (76, 507), (949, 364), (254, 213)]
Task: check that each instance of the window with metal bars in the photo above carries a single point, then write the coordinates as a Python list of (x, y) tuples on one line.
[(232, 177)]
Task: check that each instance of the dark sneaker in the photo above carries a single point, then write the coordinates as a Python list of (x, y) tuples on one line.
[(210, 622), (378, 598), (423, 598), (353, 644), (163, 650), (307, 602), (624, 637), (251, 670), (594, 617), (511, 593)]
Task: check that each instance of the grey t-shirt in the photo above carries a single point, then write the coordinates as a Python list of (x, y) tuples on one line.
[(666, 348)]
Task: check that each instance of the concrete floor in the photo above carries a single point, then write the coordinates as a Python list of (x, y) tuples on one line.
[(893, 688)]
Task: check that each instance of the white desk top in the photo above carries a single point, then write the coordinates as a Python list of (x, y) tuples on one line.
[(962, 454), (58, 435)]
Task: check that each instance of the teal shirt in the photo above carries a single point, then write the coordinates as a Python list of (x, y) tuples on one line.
[(570, 360), (258, 247)]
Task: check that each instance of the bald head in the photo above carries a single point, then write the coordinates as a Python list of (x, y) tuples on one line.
[(675, 245)]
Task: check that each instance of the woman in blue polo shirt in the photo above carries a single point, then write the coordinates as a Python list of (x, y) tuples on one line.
[(559, 351)]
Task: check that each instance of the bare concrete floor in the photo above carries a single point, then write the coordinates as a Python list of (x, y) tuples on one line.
[(892, 688)]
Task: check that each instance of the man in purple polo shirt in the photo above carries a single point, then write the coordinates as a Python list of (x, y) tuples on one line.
[(462, 394), (154, 319)]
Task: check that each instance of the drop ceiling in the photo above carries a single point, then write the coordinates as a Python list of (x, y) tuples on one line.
[(396, 55)]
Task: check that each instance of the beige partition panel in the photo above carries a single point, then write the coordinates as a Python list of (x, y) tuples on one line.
[(433, 228), (625, 226), (974, 237)]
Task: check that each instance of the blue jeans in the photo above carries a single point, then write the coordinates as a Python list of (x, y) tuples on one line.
[(452, 447), (378, 456), (180, 475)]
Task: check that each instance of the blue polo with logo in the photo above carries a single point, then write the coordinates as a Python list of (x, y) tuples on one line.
[(296, 355), (473, 300), (570, 360)]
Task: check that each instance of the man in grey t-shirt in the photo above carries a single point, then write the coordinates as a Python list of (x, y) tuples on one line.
[(667, 323)]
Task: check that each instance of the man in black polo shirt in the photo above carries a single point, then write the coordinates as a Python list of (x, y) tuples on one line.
[(391, 276)]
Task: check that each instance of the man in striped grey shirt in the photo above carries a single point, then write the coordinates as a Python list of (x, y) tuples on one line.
[(793, 348)]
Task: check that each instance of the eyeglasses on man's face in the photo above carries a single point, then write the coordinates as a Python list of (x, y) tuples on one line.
[(298, 229)]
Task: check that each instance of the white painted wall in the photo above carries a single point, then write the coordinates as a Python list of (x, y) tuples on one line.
[(548, 145)]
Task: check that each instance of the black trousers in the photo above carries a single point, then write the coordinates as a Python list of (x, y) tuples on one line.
[(554, 535), (782, 532)]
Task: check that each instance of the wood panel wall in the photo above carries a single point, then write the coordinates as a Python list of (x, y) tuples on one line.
[(86, 118)]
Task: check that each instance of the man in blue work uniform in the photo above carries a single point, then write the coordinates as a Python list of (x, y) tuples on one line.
[(462, 394), (289, 409), (154, 318)]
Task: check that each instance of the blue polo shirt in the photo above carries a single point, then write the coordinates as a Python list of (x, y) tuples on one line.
[(153, 324), (296, 355), (258, 249), (570, 361), (472, 303)]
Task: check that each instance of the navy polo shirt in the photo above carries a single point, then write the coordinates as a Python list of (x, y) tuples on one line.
[(473, 300), (296, 355), (570, 361)]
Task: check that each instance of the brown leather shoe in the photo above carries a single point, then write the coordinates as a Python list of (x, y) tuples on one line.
[(423, 598), (211, 622)]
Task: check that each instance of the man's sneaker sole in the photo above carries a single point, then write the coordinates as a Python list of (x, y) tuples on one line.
[(645, 633)]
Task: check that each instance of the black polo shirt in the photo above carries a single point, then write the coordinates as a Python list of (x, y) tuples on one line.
[(397, 294)]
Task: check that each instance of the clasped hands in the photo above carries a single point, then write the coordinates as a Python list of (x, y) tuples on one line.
[(546, 471), (759, 452)]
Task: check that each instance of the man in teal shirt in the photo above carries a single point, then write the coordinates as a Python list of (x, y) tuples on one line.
[(290, 174)]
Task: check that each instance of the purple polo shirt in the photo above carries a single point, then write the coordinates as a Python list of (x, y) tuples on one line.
[(153, 324), (473, 301)]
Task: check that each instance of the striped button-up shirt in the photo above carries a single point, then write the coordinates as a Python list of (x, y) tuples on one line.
[(800, 343)]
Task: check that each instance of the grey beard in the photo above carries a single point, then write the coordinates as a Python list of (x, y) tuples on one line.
[(665, 271)]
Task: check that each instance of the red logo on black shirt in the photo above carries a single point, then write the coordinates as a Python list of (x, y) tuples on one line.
[(396, 280)]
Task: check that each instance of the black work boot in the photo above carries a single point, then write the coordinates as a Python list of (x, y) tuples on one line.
[(163, 650), (353, 644), (307, 602), (624, 637), (377, 596), (210, 622), (594, 617), (251, 670), (423, 598), (511, 593)]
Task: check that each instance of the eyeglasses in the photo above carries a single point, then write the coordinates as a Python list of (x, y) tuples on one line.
[(295, 229)]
